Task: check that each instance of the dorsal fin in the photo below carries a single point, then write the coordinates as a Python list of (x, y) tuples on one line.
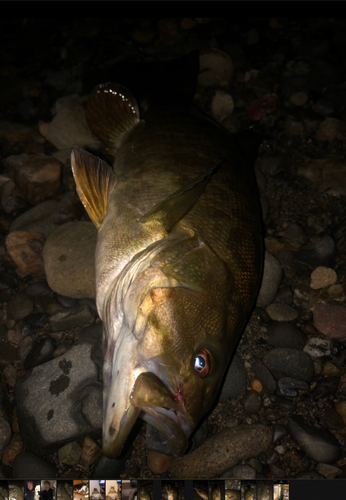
[(173, 208), (95, 180), (111, 113)]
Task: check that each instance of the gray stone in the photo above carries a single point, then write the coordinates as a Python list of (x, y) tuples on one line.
[(264, 376), (37, 219), (285, 362), (284, 334), (318, 348), (235, 382), (70, 454), (281, 312), (29, 465), (64, 320), (19, 306), (272, 275), (251, 402), (69, 259), (60, 401)]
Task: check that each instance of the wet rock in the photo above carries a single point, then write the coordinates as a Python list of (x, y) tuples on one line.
[(157, 462), (69, 127), (91, 452), (60, 401), (19, 306), (285, 362), (64, 320), (235, 382), (222, 105), (330, 319), (69, 259), (216, 68), (325, 387), (37, 176), (272, 275), (283, 334), (281, 312), (317, 348), (70, 454), (251, 402), (333, 419), (26, 251), (223, 451), (28, 465), (328, 175), (41, 352), (264, 375), (318, 444), (323, 277)]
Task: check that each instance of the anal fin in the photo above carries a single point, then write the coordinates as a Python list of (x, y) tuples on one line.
[(95, 180)]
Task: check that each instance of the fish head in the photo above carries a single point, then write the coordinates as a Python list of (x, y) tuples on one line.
[(168, 361)]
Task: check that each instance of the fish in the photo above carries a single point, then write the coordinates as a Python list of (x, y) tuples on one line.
[(178, 260), (144, 494), (172, 492), (201, 492), (232, 494), (15, 492), (216, 493)]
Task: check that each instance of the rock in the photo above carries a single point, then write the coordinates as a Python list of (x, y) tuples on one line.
[(64, 320), (333, 419), (318, 444), (69, 259), (241, 472), (294, 235), (285, 362), (69, 127), (41, 352), (91, 452), (156, 441), (251, 402), (28, 465), (10, 373), (264, 375), (328, 471), (272, 275), (325, 388), (223, 451), (37, 176), (257, 386), (37, 219), (263, 106), (330, 129), (288, 386), (281, 312), (216, 68), (330, 370), (299, 98), (60, 401), (108, 468), (317, 348), (284, 334), (280, 431), (328, 175), (14, 448), (19, 306), (235, 382), (158, 463), (323, 277), (222, 105), (341, 409), (26, 251), (5, 435), (330, 319), (70, 454), (38, 289), (91, 334)]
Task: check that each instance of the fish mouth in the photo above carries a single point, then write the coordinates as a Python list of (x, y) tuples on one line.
[(150, 399)]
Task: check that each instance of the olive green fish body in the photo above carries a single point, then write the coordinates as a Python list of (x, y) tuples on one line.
[(172, 492), (178, 261)]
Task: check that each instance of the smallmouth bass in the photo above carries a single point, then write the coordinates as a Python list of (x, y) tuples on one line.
[(178, 260)]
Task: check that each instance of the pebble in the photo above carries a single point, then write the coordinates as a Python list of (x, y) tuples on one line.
[(282, 312), (299, 98), (319, 444), (158, 463), (222, 105), (37, 176), (263, 374), (5, 434), (19, 306), (41, 352), (257, 386), (38, 289), (69, 259), (251, 402), (64, 320), (223, 451), (330, 370), (284, 295), (317, 348), (263, 106), (330, 129), (60, 400), (286, 383), (10, 373), (323, 277), (29, 465), (330, 319), (69, 127), (326, 387), (336, 293), (341, 409), (328, 471), (235, 383), (91, 452), (24, 348), (7, 354), (285, 362), (216, 68), (333, 419), (284, 334), (240, 472), (26, 251), (328, 175), (272, 275), (65, 301), (37, 219), (295, 236), (70, 454), (286, 259), (14, 448), (280, 431)]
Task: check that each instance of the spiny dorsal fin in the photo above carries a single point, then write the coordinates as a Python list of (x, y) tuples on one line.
[(173, 208), (95, 181), (112, 112)]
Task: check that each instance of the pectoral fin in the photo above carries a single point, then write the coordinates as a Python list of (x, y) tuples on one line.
[(95, 180), (111, 113), (173, 208)]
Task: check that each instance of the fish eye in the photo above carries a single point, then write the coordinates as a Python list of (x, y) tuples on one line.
[(202, 363)]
